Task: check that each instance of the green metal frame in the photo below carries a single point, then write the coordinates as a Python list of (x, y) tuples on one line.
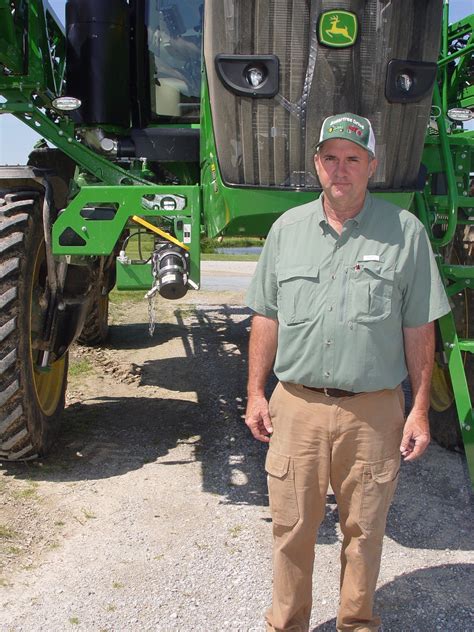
[(100, 236), (449, 153), (62, 134)]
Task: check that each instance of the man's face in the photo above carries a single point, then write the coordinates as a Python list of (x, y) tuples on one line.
[(344, 170)]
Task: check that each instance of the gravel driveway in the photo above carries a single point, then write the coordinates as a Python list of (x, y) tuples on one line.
[(151, 512)]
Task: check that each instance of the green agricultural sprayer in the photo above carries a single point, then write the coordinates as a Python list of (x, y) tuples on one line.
[(167, 120)]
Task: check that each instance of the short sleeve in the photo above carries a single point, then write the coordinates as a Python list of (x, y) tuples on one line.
[(261, 295), (424, 296)]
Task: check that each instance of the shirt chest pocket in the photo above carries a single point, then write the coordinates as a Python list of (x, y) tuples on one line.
[(371, 292), (297, 293)]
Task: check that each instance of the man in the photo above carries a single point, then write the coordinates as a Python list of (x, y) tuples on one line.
[(345, 295)]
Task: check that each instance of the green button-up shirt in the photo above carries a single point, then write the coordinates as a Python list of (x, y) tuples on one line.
[(342, 300)]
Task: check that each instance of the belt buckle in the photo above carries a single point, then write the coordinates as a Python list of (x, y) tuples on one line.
[(325, 390)]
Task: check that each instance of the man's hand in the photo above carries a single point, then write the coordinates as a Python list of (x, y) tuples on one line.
[(419, 355), (258, 418), (262, 349), (416, 435)]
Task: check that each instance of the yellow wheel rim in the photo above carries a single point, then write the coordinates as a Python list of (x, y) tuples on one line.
[(48, 382), (441, 391)]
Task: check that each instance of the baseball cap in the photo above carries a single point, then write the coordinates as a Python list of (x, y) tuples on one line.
[(351, 127)]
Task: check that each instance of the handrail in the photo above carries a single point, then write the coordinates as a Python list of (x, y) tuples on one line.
[(459, 53), (447, 160), (445, 49)]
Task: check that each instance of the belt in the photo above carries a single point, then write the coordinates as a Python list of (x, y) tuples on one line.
[(331, 392)]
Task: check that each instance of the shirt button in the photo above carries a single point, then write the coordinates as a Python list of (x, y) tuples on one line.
[(328, 342), (333, 276), (327, 374), (330, 308)]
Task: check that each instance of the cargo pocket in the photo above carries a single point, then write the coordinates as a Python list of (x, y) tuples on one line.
[(297, 293), (379, 481), (281, 489)]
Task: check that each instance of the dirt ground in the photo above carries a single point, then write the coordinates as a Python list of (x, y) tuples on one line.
[(151, 511)]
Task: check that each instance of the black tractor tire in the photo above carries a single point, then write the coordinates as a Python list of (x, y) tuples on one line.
[(31, 400), (96, 326), (445, 429)]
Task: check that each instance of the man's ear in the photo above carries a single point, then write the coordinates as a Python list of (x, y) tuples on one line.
[(316, 162), (372, 167)]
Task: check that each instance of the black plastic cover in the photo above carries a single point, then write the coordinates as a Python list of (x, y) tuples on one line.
[(233, 69), (108, 11), (98, 60), (167, 144), (140, 66), (421, 74)]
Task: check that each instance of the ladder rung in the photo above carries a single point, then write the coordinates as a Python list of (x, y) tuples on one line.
[(466, 345)]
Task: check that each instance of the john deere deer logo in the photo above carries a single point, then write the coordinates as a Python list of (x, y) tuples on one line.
[(338, 29)]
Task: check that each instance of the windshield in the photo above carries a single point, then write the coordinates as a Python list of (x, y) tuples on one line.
[(174, 42)]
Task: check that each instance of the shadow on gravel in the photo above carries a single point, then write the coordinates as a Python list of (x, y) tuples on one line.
[(135, 336), (110, 435), (436, 598), (433, 507)]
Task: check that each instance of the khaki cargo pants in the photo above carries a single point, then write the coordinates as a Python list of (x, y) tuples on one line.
[(353, 443)]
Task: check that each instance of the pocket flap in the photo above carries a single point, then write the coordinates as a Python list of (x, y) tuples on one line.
[(378, 270), (293, 272), (385, 471), (277, 464)]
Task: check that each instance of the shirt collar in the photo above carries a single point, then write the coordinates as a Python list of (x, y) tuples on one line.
[(358, 219)]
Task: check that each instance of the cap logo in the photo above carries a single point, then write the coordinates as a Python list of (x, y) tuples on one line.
[(348, 126), (338, 29)]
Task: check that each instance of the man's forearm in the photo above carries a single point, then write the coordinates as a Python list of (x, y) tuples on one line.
[(419, 355), (262, 351)]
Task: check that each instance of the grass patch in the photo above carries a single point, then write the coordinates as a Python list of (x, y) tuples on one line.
[(117, 585), (222, 257), (235, 531), (209, 245), (80, 367), (185, 312), (25, 494), (126, 296), (147, 242), (201, 547), (6, 533), (74, 621), (88, 514)]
